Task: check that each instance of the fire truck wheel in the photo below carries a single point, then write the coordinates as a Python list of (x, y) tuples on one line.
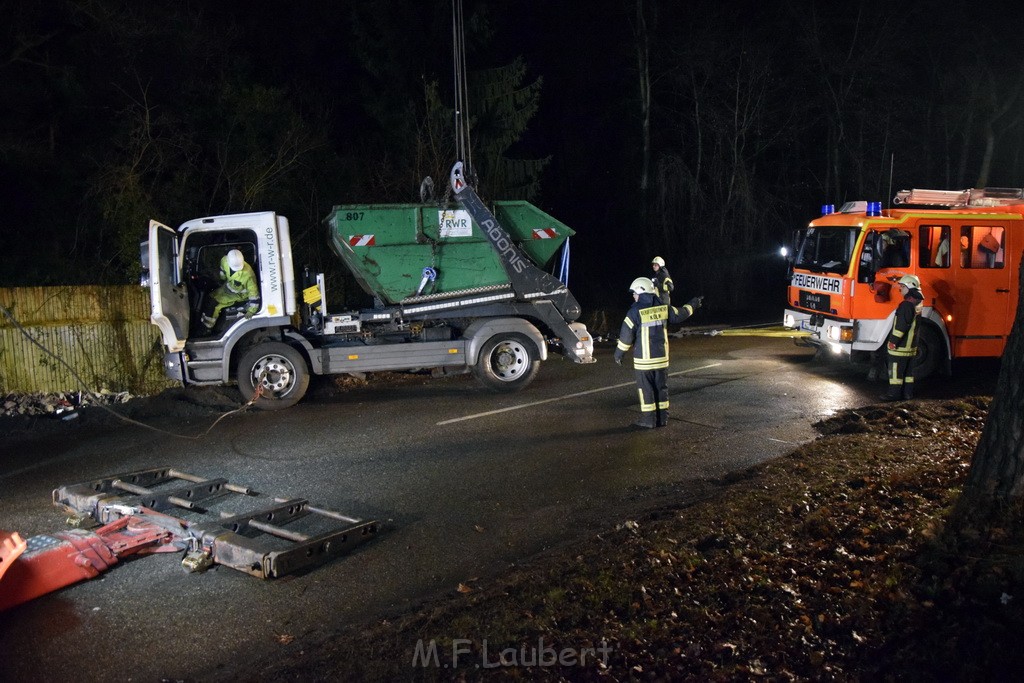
[(930, 353), (507, 362), (278, 370)]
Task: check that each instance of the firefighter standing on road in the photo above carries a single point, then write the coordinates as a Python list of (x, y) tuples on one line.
[(646, 330), (663, 284), (901, 346), (238, 285)]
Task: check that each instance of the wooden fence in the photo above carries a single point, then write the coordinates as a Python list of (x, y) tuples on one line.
[(103, 333)]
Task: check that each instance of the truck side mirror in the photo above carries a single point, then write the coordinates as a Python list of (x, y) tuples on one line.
[(882, 290)]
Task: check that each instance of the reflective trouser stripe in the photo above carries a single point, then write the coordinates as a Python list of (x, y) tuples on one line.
[(645, 407), (900, 370), (652, 389)]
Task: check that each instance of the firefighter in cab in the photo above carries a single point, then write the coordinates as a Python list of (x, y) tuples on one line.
[(238, 285), (646, 330), (901, 346), (663, 284)]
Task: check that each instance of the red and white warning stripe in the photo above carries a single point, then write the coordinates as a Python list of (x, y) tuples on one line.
[(544, 233), (361, 241)]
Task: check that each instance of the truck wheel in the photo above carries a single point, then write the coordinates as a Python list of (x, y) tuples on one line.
[(507, 362), (280, 372), (930, 352)]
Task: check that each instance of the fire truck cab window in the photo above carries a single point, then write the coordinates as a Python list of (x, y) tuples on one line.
[(883, 249), (934, 246), (895, 249), (981, 246)]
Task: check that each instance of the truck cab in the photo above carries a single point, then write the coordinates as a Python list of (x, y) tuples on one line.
[(183, 267)]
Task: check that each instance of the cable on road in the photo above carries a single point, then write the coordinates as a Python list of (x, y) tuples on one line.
[(758, 330), (82, 384)]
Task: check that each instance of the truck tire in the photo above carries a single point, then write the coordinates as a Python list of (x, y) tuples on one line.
[(278, 369), (507, 362), (931, 352)]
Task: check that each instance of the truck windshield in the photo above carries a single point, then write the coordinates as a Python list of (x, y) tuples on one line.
[(827, 249)]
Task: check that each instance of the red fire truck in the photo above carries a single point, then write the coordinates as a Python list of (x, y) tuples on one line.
[(964, 245)]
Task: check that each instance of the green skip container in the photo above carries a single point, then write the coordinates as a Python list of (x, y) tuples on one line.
[(388, 246)]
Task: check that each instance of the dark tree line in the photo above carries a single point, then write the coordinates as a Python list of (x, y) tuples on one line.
[(702, 132)]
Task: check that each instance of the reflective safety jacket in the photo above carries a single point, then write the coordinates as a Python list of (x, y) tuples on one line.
[(242, 283), (646, 330), (904, 326), (663, 284)]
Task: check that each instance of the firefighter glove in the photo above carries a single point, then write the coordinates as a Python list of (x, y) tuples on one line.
[(695, 302), (251, 311), (618, 356)]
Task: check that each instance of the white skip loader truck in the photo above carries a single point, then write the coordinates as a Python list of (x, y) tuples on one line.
[(456, 288)]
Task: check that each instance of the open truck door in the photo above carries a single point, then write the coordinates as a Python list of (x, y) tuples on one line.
[(168, 296)]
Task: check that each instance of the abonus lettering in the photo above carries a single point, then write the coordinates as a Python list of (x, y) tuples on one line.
[(504, 245)]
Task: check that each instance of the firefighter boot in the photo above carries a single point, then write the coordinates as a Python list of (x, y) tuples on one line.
[(662, 418), (646, 420)]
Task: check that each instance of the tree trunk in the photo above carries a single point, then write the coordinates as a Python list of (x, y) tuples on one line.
[(996, 477), (644, 71)]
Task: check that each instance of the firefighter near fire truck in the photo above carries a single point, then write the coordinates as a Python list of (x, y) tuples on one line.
[(645, 329), (901, 347)]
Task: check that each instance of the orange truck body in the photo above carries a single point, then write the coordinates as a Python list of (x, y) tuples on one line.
[(964, 245)]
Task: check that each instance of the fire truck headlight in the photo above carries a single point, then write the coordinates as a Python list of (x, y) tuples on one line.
[(789, 320), (835, 348), (783, 252), (840, 334)]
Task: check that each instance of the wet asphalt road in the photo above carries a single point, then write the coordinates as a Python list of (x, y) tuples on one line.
[(466, 483)]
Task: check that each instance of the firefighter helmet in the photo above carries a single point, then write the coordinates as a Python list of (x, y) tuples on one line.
[(642, 285), (235, 260), (660, 261), (910, 281)]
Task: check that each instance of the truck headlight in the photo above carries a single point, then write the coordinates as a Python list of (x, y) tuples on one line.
[(789, 320), (840, 334)]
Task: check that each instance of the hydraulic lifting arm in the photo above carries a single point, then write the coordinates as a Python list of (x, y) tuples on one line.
[(553, 302)]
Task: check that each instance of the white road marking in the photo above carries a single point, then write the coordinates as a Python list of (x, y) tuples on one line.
[(562, 398)]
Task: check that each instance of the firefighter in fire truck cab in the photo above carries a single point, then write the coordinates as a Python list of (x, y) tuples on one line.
[(646, 330), (901, 346)]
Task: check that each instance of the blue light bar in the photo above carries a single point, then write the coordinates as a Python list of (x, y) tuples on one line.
[(874, 208), (827, 209)]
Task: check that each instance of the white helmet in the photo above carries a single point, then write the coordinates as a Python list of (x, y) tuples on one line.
[(642, 285), (235, 260), (910, 281), (660, 261)]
